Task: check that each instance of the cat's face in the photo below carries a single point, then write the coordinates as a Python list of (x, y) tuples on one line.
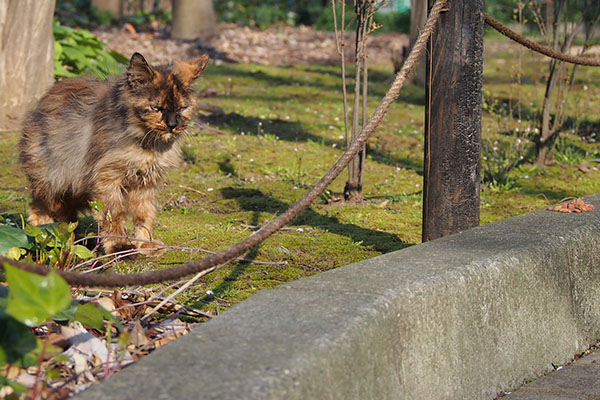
[(162, 97)]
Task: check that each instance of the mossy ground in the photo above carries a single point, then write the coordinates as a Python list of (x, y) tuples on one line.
[(282, 129)]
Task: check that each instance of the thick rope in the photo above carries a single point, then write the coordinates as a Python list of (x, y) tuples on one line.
[(218, 259), (497, 25)]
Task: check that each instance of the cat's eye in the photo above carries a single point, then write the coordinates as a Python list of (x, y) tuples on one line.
[(155, 108), (182, 109)]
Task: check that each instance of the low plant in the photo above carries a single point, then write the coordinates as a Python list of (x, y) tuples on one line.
[(566, 152), (78, 52), (29, 301), (499, 159), (27, 304)]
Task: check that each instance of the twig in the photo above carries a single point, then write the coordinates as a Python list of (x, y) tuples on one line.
[(169, 300), (175, 293), (256, 227), (192, 189)]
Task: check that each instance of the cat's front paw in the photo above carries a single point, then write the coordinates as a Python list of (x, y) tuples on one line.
[(155, 249), (119, 248)]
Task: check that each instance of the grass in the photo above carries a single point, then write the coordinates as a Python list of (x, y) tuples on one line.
[(281, 131)]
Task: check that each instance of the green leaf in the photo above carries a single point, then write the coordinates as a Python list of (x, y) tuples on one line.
[(94, 315), (15, 253), (17, 342), (17, 387), (83, 252), (120, 58), (58, 50), (32, 230), (68, 314), (91, 315), (32, 298), (12, 237), (96, 205)]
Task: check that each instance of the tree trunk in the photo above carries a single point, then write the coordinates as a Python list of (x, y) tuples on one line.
[(193, 19), (26, 56)]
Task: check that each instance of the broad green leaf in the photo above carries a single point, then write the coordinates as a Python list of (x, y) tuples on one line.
[(15, 253), (32, 230), (61, 71), (68, 314), (83, 252), (33, 299), (120, 58), (58, 50), (91, 315), (12, 237), (18, 342)]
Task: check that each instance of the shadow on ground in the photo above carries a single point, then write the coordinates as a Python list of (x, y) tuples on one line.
[(257, 201), (293, 131)]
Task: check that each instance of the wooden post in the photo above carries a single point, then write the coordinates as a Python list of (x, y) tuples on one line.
[(451, 180)]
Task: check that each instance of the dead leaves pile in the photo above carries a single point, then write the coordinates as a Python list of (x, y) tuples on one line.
[(575, 206), (76, 356), (279, 45)]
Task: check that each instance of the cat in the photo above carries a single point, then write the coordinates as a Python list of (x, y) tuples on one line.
[(110, 140)]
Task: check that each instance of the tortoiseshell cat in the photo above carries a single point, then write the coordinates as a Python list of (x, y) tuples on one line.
[(110, 140)]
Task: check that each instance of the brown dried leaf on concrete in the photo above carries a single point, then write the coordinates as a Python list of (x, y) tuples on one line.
[(575, 206)]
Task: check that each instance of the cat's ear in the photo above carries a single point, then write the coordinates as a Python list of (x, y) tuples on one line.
[(189, 71), (139, 72)]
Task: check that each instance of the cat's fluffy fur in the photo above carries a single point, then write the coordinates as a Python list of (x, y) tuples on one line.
[(110, 140)]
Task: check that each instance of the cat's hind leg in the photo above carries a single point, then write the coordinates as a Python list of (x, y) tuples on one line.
[(46, 211), (39, 212)]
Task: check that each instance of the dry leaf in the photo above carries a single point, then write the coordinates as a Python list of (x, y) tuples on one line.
[(575, 206), (129, 28), (137, 336)]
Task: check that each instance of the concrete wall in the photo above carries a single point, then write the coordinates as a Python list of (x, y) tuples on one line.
[(461, 317)]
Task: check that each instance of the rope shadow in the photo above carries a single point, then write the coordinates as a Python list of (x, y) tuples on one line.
[(257, 201)]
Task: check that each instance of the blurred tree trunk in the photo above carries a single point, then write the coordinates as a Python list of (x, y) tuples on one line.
[(122, 8), (26, 56), (418, 15), (193, 19), (114, 6)]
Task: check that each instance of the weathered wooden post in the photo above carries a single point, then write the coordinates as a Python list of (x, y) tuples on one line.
[(451, 181)]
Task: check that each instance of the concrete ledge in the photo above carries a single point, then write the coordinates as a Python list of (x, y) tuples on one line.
[(461, 317)]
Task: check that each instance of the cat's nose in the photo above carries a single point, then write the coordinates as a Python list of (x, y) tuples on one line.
[(172, 122)]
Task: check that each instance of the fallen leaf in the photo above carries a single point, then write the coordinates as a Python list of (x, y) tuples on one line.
[(129, 28), (575, 206), (137, 335)]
